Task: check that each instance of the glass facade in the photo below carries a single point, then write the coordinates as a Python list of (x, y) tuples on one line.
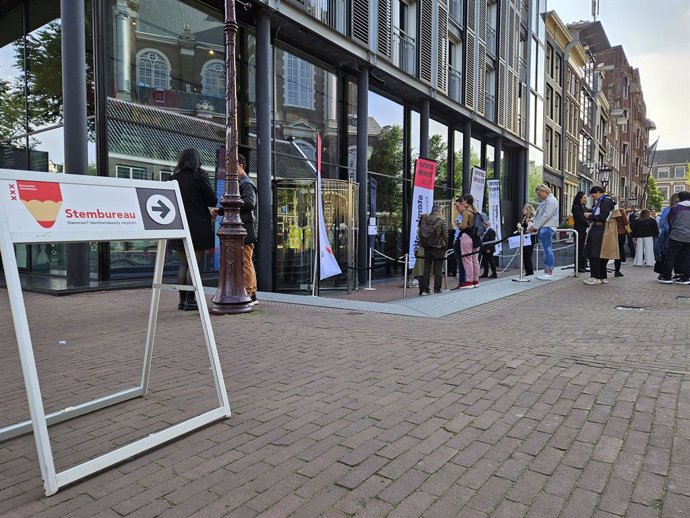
[(161, 64)]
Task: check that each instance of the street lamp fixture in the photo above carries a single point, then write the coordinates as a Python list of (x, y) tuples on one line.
[(604, 176), (230, 296)]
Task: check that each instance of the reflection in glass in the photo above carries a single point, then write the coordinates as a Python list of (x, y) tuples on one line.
[(457, 164), (438, 151), (306, 104), (13, 118), (535, 172), (166, 86)]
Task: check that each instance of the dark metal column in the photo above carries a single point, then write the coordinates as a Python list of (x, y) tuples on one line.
[(264, 108), (466, 152), (521, 182), (424, 130), (74, 114), (498, 145), (362, 173)]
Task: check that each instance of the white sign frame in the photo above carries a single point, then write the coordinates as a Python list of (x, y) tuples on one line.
[(39, 422)]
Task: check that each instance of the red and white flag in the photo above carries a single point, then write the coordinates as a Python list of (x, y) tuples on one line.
[(328, 265)]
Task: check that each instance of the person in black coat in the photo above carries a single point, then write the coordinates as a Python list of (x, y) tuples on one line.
[(580, 224), (595, 237), (248, 195), (197, 197), (488, 251)]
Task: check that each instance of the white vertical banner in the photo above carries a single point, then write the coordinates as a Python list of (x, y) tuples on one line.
[(494, 189), (422, 199), (477, 187), (328, 265)]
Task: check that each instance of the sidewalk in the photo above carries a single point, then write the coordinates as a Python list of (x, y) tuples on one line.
[(548, 402)]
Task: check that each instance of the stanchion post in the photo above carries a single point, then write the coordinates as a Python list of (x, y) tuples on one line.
[(406, 265), (521, 277), (576, 266), (371, 263)]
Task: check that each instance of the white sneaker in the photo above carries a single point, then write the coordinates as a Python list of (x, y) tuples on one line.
[(592, 281), (604, 281), (545, 276)]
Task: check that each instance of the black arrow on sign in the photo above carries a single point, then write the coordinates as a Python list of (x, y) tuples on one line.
[(162, 208)]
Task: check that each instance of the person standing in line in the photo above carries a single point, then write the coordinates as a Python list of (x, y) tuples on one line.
[(248, 195), (488, 251), (462, 278), (678, 242), (594, 245), (622, 227), (470, 259), (435, 250), (528, 213), (644, 230), (632, 216), (198, 199), (661, 244), (545, 225), (580, 224)]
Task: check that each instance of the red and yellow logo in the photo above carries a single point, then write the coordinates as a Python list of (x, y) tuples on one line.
[(42, 199)]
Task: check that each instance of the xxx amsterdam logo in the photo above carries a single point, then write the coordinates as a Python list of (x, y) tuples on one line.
[(42, 200)]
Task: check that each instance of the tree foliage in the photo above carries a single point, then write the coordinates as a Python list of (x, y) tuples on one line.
[(387, 160), (40, 82), (655, 198)]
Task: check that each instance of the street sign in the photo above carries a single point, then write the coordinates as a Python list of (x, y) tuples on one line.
[(52, 208)]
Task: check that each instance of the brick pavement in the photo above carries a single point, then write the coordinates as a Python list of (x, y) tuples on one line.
[(556, 405)]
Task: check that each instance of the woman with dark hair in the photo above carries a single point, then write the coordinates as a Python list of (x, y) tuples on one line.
[(644, 230), (197, 197), (470, 255), (528, 213), (580, 224)]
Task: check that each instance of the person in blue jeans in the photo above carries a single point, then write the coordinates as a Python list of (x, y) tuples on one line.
[(545, 224)]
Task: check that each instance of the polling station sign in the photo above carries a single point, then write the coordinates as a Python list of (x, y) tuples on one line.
[(48, 207)]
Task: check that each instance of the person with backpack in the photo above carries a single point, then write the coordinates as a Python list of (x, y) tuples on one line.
[(433, 236), (545, 225), (488, 251), (469, 247)]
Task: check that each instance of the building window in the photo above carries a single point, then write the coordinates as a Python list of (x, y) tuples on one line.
[(678, 188), (548, 152), (624, 154), (679, 171), (557, 109), (557, 151), (299, 82), (549, 102), (549, 60), (153, 69), (637, 137), (557, 60), (131, 173), (662, 172), (213, 78), (626, 87)]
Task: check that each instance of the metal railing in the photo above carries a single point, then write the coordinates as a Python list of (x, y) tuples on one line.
[(491, 40), (454, 83), (405, 45), (490, 107)]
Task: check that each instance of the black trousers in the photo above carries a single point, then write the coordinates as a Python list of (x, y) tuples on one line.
[(597, 267), (433, 258), (489, 261), (622, 238), (678, 259), (527, 259)]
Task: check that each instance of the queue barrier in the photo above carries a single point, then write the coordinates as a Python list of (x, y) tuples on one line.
[(34, 208)]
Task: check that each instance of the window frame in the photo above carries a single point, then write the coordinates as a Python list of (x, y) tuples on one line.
[(140, 55)]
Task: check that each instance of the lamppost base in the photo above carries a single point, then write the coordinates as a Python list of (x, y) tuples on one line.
[(235, 308)]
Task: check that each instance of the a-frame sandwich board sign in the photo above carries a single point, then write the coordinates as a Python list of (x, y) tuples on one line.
[(52, 208)]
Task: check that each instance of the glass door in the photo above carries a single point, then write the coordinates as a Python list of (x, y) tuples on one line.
[(296, 232)]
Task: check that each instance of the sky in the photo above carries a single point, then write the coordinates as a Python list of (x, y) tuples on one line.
[(655, 35)]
